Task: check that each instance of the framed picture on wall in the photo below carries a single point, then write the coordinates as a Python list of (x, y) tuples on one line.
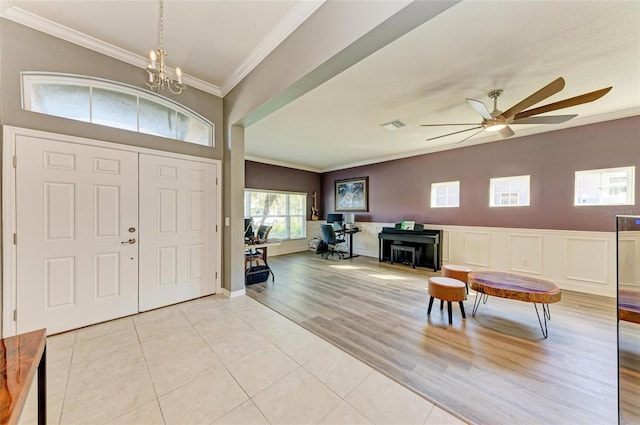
[(352, 194)]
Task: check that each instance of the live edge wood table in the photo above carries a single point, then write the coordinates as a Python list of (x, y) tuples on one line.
[(629, 305), (21, 356), (515, 287)]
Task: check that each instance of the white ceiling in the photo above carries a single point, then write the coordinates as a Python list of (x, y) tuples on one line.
[(421, 78)]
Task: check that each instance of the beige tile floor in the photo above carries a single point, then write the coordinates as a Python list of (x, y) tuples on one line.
[(218, 361)]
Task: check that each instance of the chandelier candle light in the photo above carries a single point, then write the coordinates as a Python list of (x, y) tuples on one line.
[(158, 78)]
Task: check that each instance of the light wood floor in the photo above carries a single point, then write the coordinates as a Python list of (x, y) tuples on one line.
[(495, 368)]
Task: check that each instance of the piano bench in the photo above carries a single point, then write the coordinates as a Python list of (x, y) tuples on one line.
[(395, 249)]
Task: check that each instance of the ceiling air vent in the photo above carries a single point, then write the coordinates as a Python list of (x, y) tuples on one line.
[(393, 125)]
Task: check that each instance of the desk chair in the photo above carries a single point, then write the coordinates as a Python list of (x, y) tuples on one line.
[(257, 254), (329, 237)]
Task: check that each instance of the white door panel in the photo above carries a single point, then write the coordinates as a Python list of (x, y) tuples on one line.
[(177, 227), (75, 204)]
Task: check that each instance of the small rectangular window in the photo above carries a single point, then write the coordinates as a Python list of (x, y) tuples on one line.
[(509, 191), (445, 194), (609, 186)]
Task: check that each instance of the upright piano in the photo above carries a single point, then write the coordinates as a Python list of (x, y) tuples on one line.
[(428, 240)]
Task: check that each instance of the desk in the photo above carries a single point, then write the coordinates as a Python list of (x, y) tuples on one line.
[(349, 232), (21, 355), (515, 287), (265, 249)]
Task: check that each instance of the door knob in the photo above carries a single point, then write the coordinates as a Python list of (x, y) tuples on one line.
[(130, 241)]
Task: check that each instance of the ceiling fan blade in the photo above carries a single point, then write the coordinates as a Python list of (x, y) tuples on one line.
[(550, 89), (506, 132), (439, 125), (572, 101), (480, 108), (549, 119), (455, 132), (469, 137)]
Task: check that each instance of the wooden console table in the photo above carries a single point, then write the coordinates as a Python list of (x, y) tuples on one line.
[(21, 356)]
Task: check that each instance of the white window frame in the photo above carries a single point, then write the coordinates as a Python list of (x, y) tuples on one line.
[(510, 193), (288, 215), (602, 172), (29, 78), (450, 187)]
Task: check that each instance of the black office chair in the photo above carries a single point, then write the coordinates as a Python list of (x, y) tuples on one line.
[(329, 237), (253, 255)]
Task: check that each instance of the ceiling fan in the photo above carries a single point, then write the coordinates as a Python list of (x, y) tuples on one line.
[(499, 121)]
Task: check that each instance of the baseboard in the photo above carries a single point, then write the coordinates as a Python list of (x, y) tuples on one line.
[(233, 294)]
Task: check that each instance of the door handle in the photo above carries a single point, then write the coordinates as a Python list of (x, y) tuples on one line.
[(130, 241)]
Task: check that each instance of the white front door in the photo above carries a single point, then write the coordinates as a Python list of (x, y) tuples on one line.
[(76, 210), (177, 227)]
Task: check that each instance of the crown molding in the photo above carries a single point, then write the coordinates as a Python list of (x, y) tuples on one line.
[(281, 163), (54, 29), (594, 119), (297, 15)]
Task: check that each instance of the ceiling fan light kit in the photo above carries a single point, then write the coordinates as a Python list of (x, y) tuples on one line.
[(498, 121)]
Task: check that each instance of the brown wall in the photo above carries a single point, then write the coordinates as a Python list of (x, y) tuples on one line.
[(400, 189), (273, 177)]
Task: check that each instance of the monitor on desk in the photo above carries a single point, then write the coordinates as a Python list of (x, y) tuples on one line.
[(349, 220), (335, 217)]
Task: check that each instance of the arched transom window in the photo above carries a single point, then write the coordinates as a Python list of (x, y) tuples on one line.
[(113, 104)]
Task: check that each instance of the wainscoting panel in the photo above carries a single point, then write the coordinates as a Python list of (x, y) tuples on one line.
[(445, 246), (525, 253), (574, 260), (628, 253), (577, 249), (477, 248)]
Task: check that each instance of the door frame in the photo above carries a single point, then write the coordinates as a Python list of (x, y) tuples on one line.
[(9, 249)]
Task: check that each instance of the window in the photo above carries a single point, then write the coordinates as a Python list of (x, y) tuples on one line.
[(509, 191), (286, 212), (113, 104), (445, 194), (610, 186)]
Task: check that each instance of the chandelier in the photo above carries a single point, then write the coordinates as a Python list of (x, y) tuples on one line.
[(157, 70)]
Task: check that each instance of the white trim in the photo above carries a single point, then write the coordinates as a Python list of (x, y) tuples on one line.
[(234, 294), (281, 163), (9, 301), (29, 78), (54, 29), (301, 11), (9, 207), (547, 260), (576, 122)]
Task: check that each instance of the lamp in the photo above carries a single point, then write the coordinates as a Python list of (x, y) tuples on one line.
[(157, 70)]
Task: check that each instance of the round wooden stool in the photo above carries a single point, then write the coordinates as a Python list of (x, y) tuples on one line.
[(456, 272), (447, 289)]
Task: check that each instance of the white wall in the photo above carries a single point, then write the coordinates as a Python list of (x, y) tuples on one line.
[(574, 260)]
